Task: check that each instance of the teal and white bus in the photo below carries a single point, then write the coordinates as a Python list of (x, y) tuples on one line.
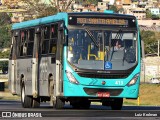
[(77, 58)]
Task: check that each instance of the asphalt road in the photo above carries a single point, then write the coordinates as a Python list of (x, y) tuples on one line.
[(13, 109)]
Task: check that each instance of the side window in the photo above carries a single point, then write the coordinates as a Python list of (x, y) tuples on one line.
[(49, 43), (54, 31), (45, 47), (30, 45), (13, 51), (53, 39), (23, 42), (45, 42), (53, 46), (47, 32)]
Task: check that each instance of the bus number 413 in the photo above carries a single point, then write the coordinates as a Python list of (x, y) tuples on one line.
[(118, 82)]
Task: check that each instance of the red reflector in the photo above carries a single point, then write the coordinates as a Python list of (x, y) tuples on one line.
[(103, 94)]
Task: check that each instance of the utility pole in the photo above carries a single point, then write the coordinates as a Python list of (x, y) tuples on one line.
[(158, 57), (158, 48)]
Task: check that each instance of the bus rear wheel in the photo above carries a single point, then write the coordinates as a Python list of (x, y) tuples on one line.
[(59, 103), (25, 99), (36, 102), (117, 104)]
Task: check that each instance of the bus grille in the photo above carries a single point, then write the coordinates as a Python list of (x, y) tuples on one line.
[(94, 91), (104, 76)]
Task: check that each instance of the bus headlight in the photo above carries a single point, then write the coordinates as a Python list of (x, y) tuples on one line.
[(134, 80), (71, 78)]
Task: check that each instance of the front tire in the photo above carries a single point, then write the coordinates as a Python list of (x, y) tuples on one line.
[(25, 99), (117, 104), (36, 102)]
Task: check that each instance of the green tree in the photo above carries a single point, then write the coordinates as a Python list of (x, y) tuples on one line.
[(88, 2), (5, 29), (64, 5), (150, 42), (4, 19), (148, 14), (5, 36), (155, 17), (114, 8), (37, 8), (4, 54), (4, 66)]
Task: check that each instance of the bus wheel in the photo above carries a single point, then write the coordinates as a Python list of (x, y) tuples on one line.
[(59, 103), (36, 102), (117, 104), (25, 100)]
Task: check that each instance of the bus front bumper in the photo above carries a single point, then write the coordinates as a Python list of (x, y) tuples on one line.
[(74, 90)]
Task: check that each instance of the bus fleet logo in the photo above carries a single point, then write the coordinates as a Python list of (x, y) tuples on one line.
[(108, 65), (20, 115), (6, 114)]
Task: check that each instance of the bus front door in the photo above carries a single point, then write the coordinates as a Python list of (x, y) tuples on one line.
[(13, 66), (35, 78)]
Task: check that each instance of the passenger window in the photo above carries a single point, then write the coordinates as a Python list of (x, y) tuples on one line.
[(53, 39), (30, 48), (45, 47), (23, 42), (53, 46), (30, 45), (49, 43), (47, 32), (54, 31), (31, 34)]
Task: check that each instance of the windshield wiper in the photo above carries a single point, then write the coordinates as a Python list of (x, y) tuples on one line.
[(91, 36)]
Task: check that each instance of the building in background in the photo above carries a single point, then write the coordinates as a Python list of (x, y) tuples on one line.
[(155, 11), (102, 6), (133, 7), (139, 13)]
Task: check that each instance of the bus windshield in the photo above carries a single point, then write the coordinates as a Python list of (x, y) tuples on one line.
[(97, 48)]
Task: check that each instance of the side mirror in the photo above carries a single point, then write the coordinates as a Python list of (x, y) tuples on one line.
[(37, 30), (61, 26), (16, 33), (61, 29)]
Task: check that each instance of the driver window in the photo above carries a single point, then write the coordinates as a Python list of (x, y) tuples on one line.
[(128, 43)]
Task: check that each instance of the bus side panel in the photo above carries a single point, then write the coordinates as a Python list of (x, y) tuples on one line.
[(24, 68), (11, 77), (47, 68)]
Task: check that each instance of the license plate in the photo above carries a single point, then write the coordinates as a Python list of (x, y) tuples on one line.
[(103, 94)]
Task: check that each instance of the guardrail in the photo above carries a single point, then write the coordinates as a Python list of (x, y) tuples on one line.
[(4, 59)]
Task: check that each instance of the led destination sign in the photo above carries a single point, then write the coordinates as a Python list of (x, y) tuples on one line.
[(107, 21), (99, 19)]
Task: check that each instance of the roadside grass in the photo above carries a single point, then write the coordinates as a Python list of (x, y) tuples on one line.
[(149, 95), (6, 94)]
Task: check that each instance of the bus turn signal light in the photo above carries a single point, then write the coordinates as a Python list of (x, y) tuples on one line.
[(71, 78), (133, 80)]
